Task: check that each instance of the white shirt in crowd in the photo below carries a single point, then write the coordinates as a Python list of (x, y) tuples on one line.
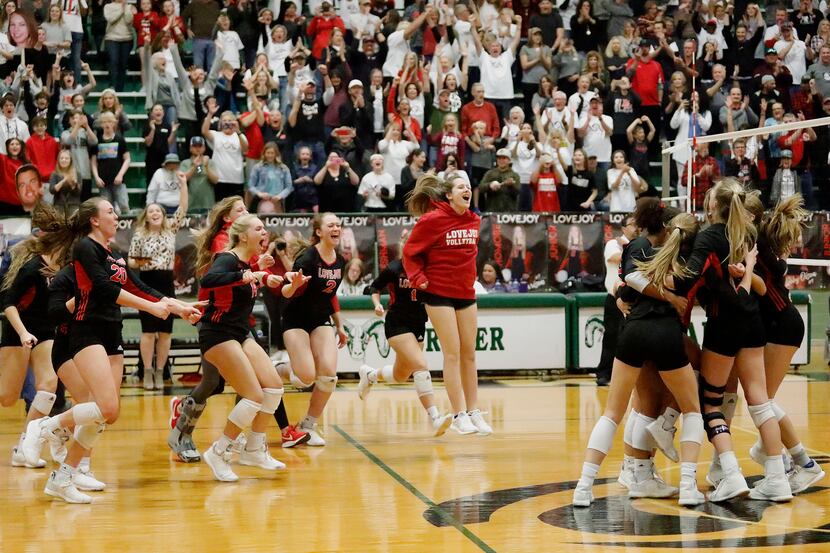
[(373, 183), (277, 53), (227, 155), (624, 198), (394, 156), (573, 102), (596, 142), (72, 14), (12, 128), (525, 161), (398, 48), (163, 188), (796, 58), (496, 76), (232, 45)]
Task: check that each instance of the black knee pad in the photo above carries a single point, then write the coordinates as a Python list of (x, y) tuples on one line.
[(720, 428), (704, 386)]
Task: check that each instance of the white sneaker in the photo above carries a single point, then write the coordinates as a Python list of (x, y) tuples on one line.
[(663, 438), (690, 496), (478, 421), (220, 464), (462, 424), (715, 474), (32, 443), (651, 487), (86, 482), (18, 460), (772, 488), (626, 476), (158, 379), (368, 377), (731, 485), (441, 424), (802, 478), (238, 445), (279, 357), (315, 439), (148, 379), (57, 446), (60, 485), (260, 458), (583, 497)]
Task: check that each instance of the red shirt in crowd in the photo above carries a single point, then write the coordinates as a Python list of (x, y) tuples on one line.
[(448, 143), (441, 251), (253, 132), (797, 146), (43, 153), (320, 28), (545, 195), (145, 23), (8, 188), (702, 182), (647, 77), (470, 113)]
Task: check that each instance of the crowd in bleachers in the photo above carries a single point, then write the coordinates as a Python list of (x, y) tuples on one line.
[(307, 107)]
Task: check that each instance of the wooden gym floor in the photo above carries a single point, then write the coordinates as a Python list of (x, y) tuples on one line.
[(383, 484)]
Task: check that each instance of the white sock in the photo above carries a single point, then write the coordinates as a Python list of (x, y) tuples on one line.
[(728, 461), (670, 418), (688, 473), (83, 466), (222, 444), (387, 374), (800, 456), (433, 412), (628, 461), (643, 469), (308, 422), (589, 474), (774, 465), (255, 441)]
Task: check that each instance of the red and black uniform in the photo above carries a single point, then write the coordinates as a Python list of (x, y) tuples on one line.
[(442, 250), (29, 292), (783, 324), (101, 274), (61, 290), (733, 320), (230, 302), (652, 331), (314, 303), (405, 313)]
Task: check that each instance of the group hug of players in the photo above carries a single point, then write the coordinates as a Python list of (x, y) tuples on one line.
[(735, 269), (65, 288)]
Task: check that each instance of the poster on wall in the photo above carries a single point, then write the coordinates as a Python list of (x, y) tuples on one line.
[(814, 244), (516, 242), (575, 246), (391, 232)]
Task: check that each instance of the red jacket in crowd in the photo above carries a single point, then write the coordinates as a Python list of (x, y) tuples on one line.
[(320, 29), (442, 250), (8, 187), (470, 113), (43, 153)]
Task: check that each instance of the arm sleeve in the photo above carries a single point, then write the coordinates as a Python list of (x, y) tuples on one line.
[(223, 272), (89, 260), (135, 286), (414, 252)]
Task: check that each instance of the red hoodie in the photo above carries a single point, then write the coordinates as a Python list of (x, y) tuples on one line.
[(442, 250), (43, 153), (8, 187)]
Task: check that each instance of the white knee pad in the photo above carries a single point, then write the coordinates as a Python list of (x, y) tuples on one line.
[(87, 413), (628, 429), (730, 402), (602, 436), (423, 383), (640, 437), (779, 413), (87, 435), (243, 413), (761, 413), (43, 402), (271, 400), (692, 430), (297, 383), (326, 383)]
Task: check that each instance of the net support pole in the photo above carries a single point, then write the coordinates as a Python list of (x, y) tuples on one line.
[(666, 174)]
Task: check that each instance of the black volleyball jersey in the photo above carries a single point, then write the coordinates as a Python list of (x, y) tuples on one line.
[(317, 299), (101, 274), (29, 292), (403, 298), (773, 270), (61, 290), (230, 299)]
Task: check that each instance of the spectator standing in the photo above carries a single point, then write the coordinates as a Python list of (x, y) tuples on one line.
[(11, 126), (553, 28), (200, 172), (536, 60), (499, 188), (337, 184), (64, 184), (646, 77), (786, 181), (596, 129), (72, 17), (624, 106), (200, 17), (42, 149), (270, 182), (741, 167), (377, 187), (79, 138), (109, 161), (229, 146), (705, 169), (119, 40), (167, 185), (159, 136), (496, 70), (305, 198), (321, 27)]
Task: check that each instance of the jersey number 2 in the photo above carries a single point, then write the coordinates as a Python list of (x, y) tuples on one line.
[(331, 285)]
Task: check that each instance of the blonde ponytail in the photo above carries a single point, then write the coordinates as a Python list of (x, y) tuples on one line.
[(783, 227), (682, 229), (729, 196)]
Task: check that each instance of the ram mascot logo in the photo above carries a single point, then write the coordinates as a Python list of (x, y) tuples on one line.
[(594, 330), (360, 336)]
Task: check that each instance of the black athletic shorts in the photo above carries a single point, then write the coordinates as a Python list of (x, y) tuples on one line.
[(293, 318), (10, 337), (397, 324), (658, 341), (60, 350), (784, 328), (434, 300), (728, 334), (164, 283), (210, 336), (84, 334)]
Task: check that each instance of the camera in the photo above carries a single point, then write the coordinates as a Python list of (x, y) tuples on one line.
[(226, 125)]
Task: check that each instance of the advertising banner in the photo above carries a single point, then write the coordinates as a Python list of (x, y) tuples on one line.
[(517, 243), (575, 245)]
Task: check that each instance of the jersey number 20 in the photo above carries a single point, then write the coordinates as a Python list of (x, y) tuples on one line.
[(119, 274)]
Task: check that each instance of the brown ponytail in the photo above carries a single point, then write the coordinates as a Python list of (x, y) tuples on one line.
[(428, 188), (204, 238), (782, 229)]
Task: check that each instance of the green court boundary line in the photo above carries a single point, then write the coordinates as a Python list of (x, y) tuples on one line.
[(448, 518)]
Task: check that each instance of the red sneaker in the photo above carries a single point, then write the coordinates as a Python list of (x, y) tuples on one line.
[(292, 436), (175, 410)]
